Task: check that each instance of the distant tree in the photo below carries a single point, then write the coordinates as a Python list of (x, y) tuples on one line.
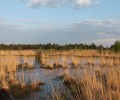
[(100, 47), (92, 46), (116, 46)]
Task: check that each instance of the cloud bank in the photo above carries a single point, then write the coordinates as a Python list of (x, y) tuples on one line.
[(104, 32), (60, 3)]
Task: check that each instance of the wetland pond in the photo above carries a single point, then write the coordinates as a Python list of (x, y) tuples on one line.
[(33, 72)]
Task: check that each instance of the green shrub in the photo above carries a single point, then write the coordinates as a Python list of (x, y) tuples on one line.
[(116, 46)]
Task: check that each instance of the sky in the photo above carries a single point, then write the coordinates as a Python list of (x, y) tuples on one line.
[(59, 21)]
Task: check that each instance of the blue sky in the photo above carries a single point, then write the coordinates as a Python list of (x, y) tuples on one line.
[(60, 21)]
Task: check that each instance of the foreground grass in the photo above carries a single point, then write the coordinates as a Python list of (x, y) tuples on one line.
[(10, 84), (101, 84), (22, 91), (16, 91)]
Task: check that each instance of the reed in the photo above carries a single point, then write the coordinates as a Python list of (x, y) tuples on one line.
[(17, 52), (82, 53), (79, 58), (10, 82), (100, 84)]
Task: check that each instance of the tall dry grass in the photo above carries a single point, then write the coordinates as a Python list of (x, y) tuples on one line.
[(76, 61), (11, 81), (100, 84), (17, 52), (82, 53)]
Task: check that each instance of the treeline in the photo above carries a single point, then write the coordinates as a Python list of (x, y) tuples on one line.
[(115, 47), (49, 46)]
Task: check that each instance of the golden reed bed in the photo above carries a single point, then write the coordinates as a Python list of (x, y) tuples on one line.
[(52, 58), (17, 52), (81, 53)]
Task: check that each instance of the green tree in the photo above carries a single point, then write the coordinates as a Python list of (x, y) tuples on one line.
[(116, 46)]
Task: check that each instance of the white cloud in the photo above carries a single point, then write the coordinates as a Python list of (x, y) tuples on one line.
[(29, 21), (101, 33), (60, 3), (107, 42), (89, 31), (115, 14), (83, 2)]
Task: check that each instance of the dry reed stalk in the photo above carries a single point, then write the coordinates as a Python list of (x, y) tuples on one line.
[(64, 62), (17, 52), (95, 86), (75, 61), (90, 61)]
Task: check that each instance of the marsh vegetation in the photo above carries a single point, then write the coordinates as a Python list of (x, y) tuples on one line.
[(59, 75)]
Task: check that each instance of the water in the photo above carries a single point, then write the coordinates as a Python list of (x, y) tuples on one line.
[(37, 74)]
